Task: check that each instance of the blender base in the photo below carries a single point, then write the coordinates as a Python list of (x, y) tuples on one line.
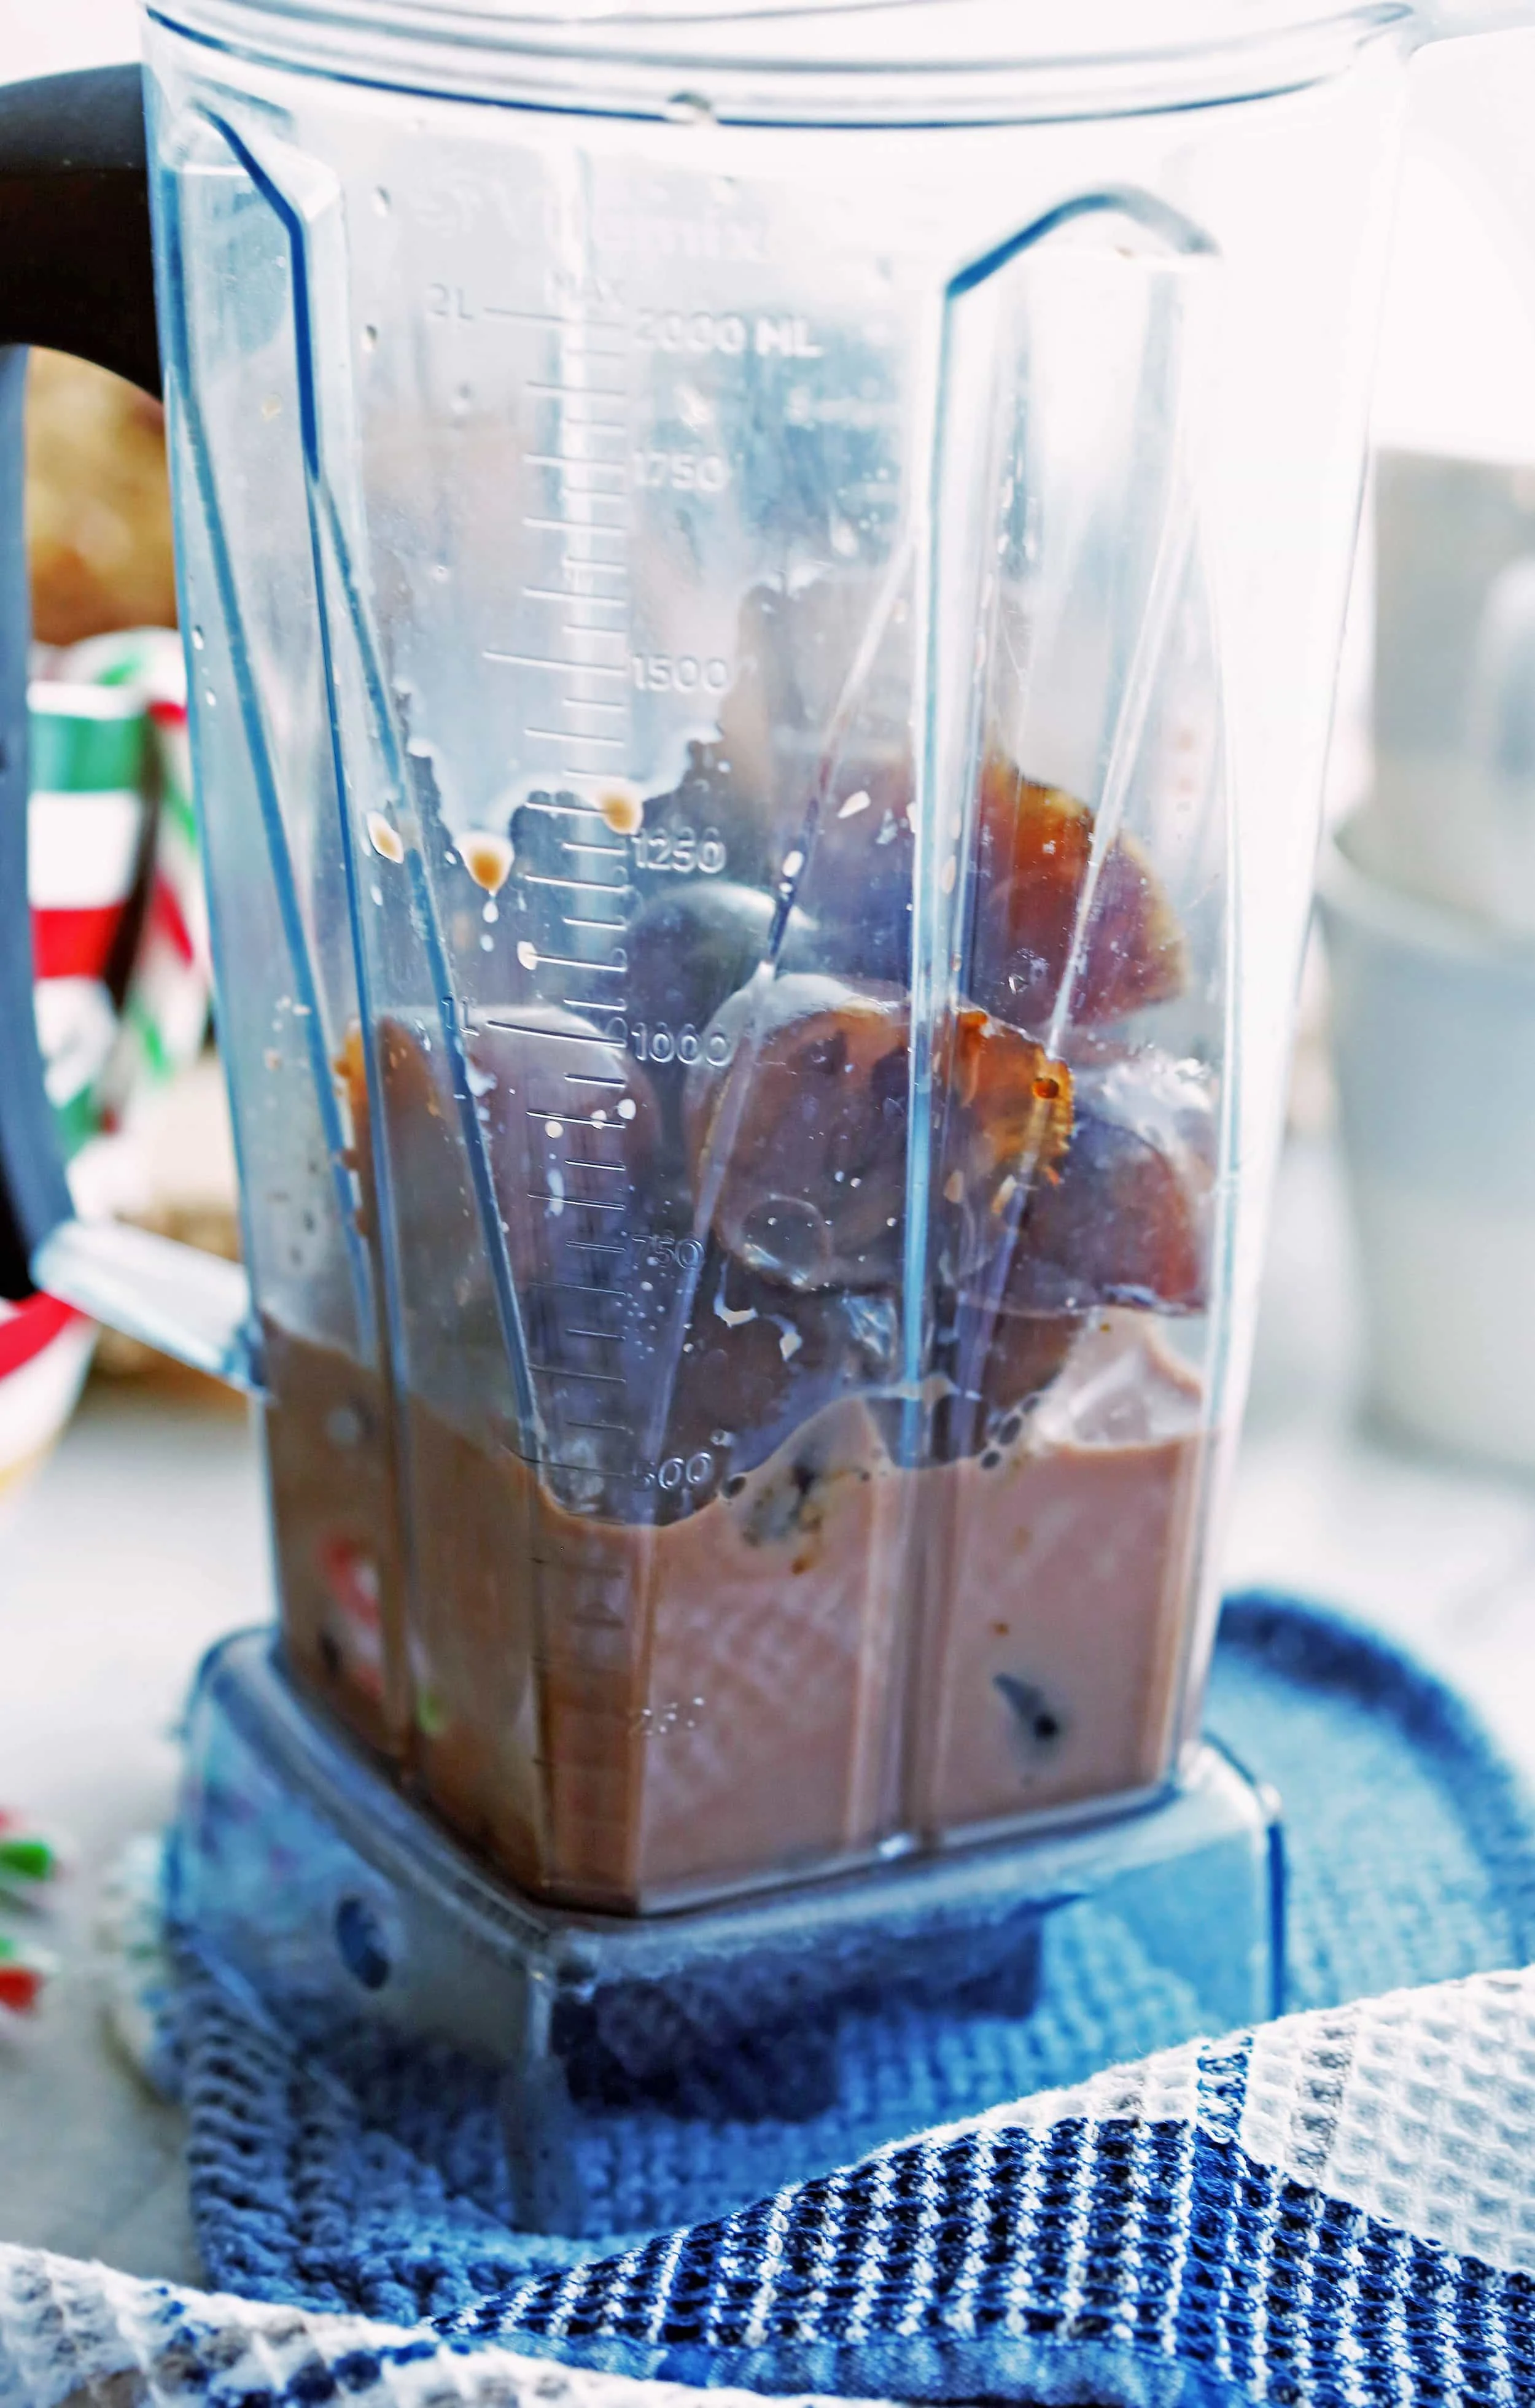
[(333, 1910)]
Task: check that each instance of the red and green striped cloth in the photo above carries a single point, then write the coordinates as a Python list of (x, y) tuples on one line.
[(111, 805), (110, 823)]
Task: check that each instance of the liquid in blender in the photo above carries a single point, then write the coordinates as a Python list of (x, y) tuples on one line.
[(756, 1603)]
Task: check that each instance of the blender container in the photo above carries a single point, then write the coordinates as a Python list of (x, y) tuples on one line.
[(761, 588), (722, 640)]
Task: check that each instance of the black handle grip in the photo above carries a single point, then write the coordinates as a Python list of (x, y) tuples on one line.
[(76, 274)]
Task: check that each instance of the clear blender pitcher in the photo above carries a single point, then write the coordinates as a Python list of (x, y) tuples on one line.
[(761, 587)]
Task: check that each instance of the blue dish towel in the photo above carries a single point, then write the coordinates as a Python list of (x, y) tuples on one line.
[(1339, 2206)]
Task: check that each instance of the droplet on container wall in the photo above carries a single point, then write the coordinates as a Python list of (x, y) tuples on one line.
[(487, 858), (385, 837), (623, 808)]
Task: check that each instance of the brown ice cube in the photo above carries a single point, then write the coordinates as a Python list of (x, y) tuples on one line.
[(798, 1138), (756, 1362), (1035, 847), (997, 1362), (1127, 1218)]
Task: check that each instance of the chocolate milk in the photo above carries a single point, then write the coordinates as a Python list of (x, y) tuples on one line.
[(1056, 1593), (618, 1713), (840, 1653), (335, 1497)]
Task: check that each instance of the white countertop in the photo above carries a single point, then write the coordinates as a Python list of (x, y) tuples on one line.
[(143, 1540)]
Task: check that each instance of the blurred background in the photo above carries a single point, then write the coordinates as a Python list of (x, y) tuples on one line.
[(1388, 1459)]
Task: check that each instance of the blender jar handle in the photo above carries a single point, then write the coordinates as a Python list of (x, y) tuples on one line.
[(76, 274)]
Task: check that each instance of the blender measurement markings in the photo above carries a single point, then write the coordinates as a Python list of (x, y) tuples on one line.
[(584, 526), (585, 514), (579, 885), (563, 1036), (543, 661), (551, 318), (567, 466), (563, 593), (575, 736), (579, 526)]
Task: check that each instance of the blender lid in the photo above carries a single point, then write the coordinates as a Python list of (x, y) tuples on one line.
[(875, 62)]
